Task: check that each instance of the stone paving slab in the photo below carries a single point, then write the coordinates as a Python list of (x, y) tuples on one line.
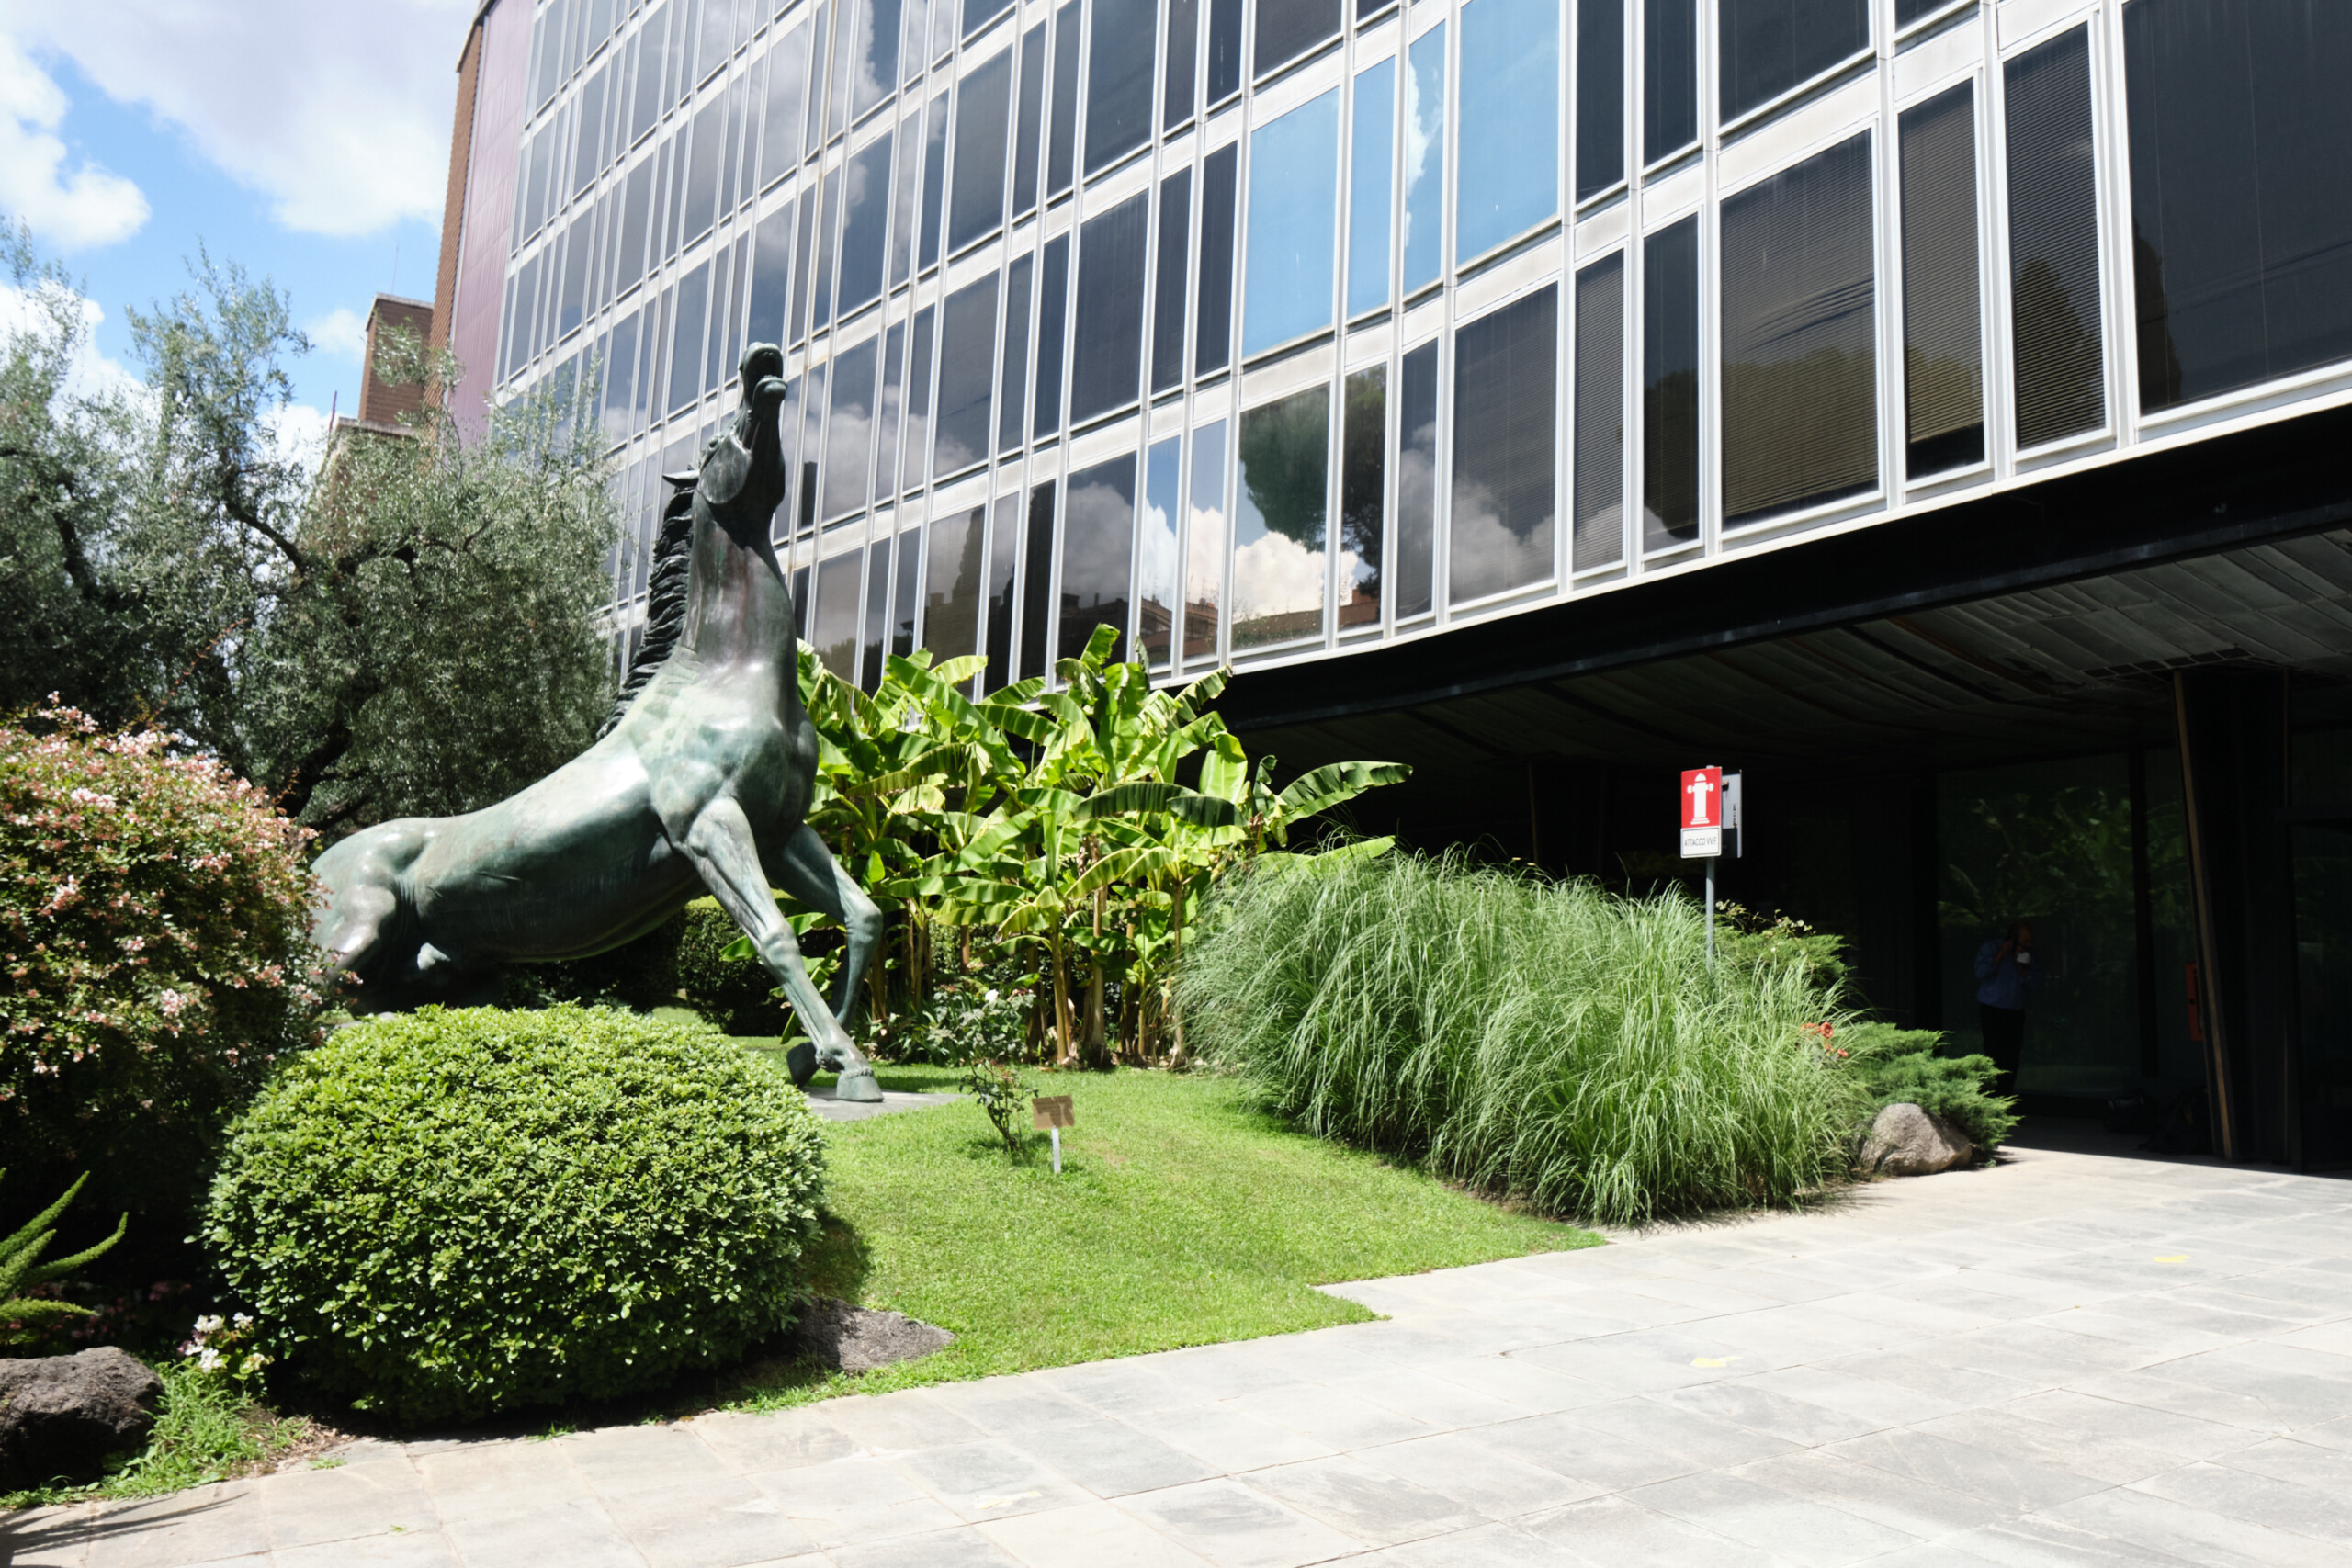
[(2076, 1356)]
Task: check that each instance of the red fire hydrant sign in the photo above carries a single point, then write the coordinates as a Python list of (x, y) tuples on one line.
[(1703, 812)]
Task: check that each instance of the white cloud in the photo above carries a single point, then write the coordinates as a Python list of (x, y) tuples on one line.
[(295, 434), (91, 374), (75, 208), (339, 114), (341, 333)]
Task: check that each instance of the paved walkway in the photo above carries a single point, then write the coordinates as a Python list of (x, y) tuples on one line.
[(2074, 1358)]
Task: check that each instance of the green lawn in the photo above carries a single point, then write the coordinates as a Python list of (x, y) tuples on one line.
[(1182, 1216)]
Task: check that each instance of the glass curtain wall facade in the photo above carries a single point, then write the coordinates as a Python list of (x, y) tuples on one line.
[(1263, 329)]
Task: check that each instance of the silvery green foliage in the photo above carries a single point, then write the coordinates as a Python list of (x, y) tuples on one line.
[(448, 1213), (406, 624)]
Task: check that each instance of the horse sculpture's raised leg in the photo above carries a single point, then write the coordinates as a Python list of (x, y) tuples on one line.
[(723, 850), (806, 869)]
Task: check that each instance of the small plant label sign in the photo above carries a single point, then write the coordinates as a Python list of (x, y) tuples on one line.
[(1052, 1112)]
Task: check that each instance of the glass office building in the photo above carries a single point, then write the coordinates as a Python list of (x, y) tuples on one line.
[(1891, 395), (1264, 329)]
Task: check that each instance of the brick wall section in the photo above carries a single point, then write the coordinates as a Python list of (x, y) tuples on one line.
[(453, 205), (380, 403)]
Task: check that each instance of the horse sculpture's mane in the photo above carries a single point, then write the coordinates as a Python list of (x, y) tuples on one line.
[(665, 602)]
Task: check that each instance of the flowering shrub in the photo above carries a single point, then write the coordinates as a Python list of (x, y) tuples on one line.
[(223, 1348), (458, 1211), (153, 944)]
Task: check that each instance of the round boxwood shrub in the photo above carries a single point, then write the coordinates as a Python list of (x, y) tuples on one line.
[(457, 1213)]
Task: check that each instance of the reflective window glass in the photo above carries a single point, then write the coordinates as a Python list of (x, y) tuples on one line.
[(577, 249), (1212, 316), (1179, 81), (1053, 309), (873, 55), (865, 224), (943, 13), (1770, 46), (1036, 583), (906, 593), (821, 49), (1414, 568), (1510, 121), (1012, 399), (846, 15), (1288, 29), (1098, 549), (805, 261), (812, 405), (685, 348), (1169, 281), (2241, 191), (1424, 159), (1369, 171), (620, 381), (893, 412), (1106, 368), (1598, 522), (1225, 49), (977, 13), (913, 19), (1670, 386), (1909, 11), (1669, 76), (1156, 565), (1004, 557), (829, 218), (1030, 122), (1506, 375), (966, 367), (1293, 217), (1280, 521), (935, 178), (982, 103), (849, 430), (878, 615), (1799, 361), (1119, 79), (535, 199), (1205, 532), (1943, 353), (586, 153), (728, 288), (1363, 448), (2054, 242), (905, 182), (834, 634), (651, 62), (917, 445), (1061, 153), (699, 203), (951, 611)]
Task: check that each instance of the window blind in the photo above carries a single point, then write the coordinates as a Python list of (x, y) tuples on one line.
[(2054, 242)]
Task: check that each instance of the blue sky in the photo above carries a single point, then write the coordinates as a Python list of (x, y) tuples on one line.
[(307, 142)]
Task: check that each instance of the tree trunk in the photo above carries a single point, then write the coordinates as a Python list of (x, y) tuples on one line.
[(1179, 1056), (1065, 1023)]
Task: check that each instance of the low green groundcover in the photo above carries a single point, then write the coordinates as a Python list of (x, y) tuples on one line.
[(456, 1212), (1183, 1215)]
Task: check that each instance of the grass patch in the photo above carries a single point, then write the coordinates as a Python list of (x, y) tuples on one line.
[(205, 1432), (1183, 1215)]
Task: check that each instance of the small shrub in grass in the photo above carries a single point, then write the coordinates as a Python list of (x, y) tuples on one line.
[(1900, 1064), (456, 1212), (1540, 1038)]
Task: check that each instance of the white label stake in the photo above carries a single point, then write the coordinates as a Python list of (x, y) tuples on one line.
[(1058, 1150)]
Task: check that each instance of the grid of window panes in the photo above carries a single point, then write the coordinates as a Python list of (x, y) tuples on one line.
[(1257, 326)]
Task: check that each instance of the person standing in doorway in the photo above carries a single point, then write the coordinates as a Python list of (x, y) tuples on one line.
[(2005, 973)]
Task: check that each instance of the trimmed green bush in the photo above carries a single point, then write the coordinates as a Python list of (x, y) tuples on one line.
[(1544, 1039), (457, 1213), (1900, 1064)]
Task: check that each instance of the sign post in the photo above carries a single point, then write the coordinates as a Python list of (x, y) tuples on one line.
[(1704, 803), (1053, 1112)]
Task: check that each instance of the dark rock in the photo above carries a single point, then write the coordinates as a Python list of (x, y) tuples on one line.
[(858, 1339), (1907, 1140), (62, 1415)]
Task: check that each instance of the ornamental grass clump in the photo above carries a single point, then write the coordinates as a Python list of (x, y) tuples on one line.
[(1542, 1039), (452, 1213)]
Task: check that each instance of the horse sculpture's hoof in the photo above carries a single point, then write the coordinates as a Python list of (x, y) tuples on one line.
[(858, 1086), (801, 1062)]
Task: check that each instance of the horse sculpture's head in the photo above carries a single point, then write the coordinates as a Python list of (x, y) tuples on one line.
[(742, 477)]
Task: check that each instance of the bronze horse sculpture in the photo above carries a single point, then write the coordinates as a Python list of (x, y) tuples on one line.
[(701, 784)]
